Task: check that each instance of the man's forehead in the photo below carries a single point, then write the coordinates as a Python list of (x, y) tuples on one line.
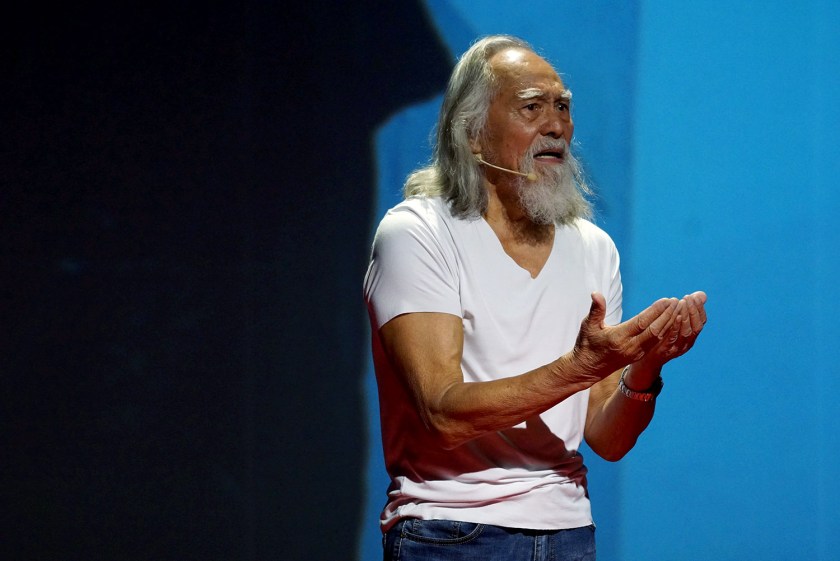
[(527, 74), (513, 55)]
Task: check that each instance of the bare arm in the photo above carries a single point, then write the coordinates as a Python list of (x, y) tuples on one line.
[(425, 349), (614, 421)]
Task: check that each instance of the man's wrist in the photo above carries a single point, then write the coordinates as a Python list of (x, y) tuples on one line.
[(648, 394)]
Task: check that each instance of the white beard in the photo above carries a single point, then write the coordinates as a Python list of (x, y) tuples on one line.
[(558, 194)]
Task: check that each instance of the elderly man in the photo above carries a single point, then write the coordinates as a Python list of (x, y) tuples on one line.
[(498, 345)]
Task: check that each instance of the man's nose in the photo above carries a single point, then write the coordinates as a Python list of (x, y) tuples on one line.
[(556, 126)]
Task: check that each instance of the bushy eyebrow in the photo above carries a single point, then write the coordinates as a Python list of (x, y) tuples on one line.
[(531, 93)]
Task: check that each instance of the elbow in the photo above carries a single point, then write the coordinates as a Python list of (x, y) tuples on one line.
[(448, 438), (611, 451), (612, 455), (444, 427), (447, 433)]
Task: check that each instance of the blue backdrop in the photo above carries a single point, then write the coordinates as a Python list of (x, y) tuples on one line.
[(187, 195), (708, 131)]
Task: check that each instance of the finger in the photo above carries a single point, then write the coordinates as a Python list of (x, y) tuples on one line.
[(684, 312), (685, 327), (700, 297), (675, 332), (657, 319), (696, 317), (597, 311), (701, 309), (699, 319)]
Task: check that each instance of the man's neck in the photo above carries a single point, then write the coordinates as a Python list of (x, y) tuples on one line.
[(511, 222)]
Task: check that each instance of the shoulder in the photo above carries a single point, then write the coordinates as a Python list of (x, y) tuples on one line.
[(418, 208), (590, 243), (590, 229), (415, 216), (589, 233)]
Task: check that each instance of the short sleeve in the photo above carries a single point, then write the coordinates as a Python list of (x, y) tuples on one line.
[(602, 258), (413, 265), (613, 295)]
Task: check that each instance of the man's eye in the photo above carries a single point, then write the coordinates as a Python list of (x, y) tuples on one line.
[(532, 106), (563, 106)]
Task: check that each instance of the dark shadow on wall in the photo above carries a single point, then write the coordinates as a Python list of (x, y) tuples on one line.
[(184, 219)]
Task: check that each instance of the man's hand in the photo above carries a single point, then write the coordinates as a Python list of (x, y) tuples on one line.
[(613, 422), (690, 319), (601, 349)]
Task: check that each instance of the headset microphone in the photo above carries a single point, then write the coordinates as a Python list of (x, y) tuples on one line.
[(531, 176)]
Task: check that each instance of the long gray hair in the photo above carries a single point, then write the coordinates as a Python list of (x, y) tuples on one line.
[(454, 172)]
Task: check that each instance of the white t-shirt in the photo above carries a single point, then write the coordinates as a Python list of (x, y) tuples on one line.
[(527, 476)]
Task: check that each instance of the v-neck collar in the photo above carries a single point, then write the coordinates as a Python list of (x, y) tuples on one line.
[(505, 259)]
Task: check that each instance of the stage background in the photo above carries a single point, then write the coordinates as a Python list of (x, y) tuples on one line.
[(188, 195)]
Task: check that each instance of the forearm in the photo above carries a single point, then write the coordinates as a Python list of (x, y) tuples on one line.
[(615, 421), (465, 411)]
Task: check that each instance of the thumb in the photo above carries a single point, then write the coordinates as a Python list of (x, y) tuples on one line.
[(597, 311)]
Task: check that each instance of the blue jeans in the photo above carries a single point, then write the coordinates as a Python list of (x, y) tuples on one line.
[(447, 540)]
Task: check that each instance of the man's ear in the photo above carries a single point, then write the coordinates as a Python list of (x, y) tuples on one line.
[(475, 146)]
